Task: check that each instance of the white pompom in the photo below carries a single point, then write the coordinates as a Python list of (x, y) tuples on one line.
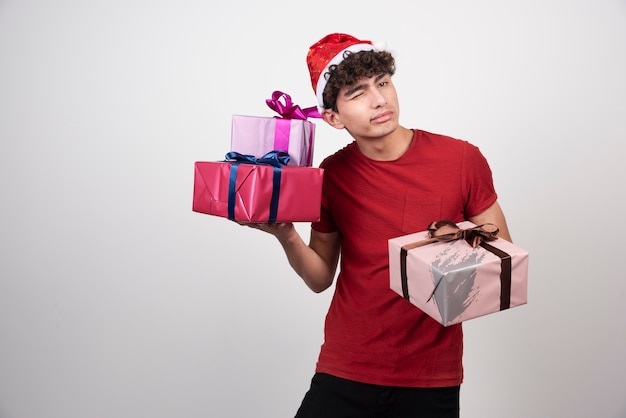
[(379, 45)]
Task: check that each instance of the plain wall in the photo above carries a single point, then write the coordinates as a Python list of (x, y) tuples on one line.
[(118, 301)]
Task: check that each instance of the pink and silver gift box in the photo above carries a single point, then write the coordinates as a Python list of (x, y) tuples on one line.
[(244, 188), (291, 132), (461, 275)]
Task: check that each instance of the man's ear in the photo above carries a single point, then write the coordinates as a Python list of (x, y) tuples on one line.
[(332, 118)]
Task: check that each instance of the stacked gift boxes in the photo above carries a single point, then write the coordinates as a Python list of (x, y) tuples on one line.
[(267, 176), (461, 275)]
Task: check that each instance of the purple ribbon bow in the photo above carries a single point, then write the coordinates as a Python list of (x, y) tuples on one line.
[(289, 110)]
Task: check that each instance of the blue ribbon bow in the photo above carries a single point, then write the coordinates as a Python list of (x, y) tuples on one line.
[(277, 159)]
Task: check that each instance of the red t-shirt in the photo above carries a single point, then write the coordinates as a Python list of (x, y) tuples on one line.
[(372, 334)]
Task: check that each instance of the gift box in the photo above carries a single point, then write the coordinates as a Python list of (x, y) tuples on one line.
[(456, 272), (292, 132), (244, 188)]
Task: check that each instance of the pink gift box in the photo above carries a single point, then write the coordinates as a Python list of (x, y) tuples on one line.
[(454, 282), (293, 133), (257, 193)]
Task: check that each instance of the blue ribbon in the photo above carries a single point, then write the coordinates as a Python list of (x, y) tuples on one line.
[(277, 159)]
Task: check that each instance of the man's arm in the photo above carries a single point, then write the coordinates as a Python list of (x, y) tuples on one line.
[(315, 263), (493, 215)]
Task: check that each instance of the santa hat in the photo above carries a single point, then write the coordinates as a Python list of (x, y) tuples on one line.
[(329, 51)]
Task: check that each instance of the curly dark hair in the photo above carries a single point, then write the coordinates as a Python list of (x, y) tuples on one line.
[(352, 68)]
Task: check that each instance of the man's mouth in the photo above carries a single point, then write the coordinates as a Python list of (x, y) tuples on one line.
[(382, 117)]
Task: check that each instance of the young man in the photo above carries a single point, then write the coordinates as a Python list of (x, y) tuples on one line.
[(381, 356)]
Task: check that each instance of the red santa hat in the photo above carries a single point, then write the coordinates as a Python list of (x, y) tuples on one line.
[(330, 51)]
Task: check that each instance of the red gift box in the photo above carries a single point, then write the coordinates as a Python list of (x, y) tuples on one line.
[(257, 192)]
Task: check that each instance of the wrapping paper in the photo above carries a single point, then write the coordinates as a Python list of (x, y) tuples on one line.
[(257, 192), (454, 281), (292, 132)]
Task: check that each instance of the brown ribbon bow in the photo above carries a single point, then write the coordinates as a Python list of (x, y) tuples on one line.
[(446, 230)]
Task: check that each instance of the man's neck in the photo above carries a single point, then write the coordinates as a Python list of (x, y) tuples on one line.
[(387, 148)]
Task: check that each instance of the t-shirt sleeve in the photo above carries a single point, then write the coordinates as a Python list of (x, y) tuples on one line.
[(480, 190)]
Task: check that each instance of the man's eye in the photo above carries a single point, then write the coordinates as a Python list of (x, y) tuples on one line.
[(383, 83)]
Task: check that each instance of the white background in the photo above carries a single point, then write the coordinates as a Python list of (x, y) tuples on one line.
[(118, 301)]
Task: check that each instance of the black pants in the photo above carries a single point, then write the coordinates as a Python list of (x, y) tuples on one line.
[(333, 397)]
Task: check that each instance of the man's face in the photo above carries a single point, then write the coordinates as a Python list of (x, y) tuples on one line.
[(369, 108)]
